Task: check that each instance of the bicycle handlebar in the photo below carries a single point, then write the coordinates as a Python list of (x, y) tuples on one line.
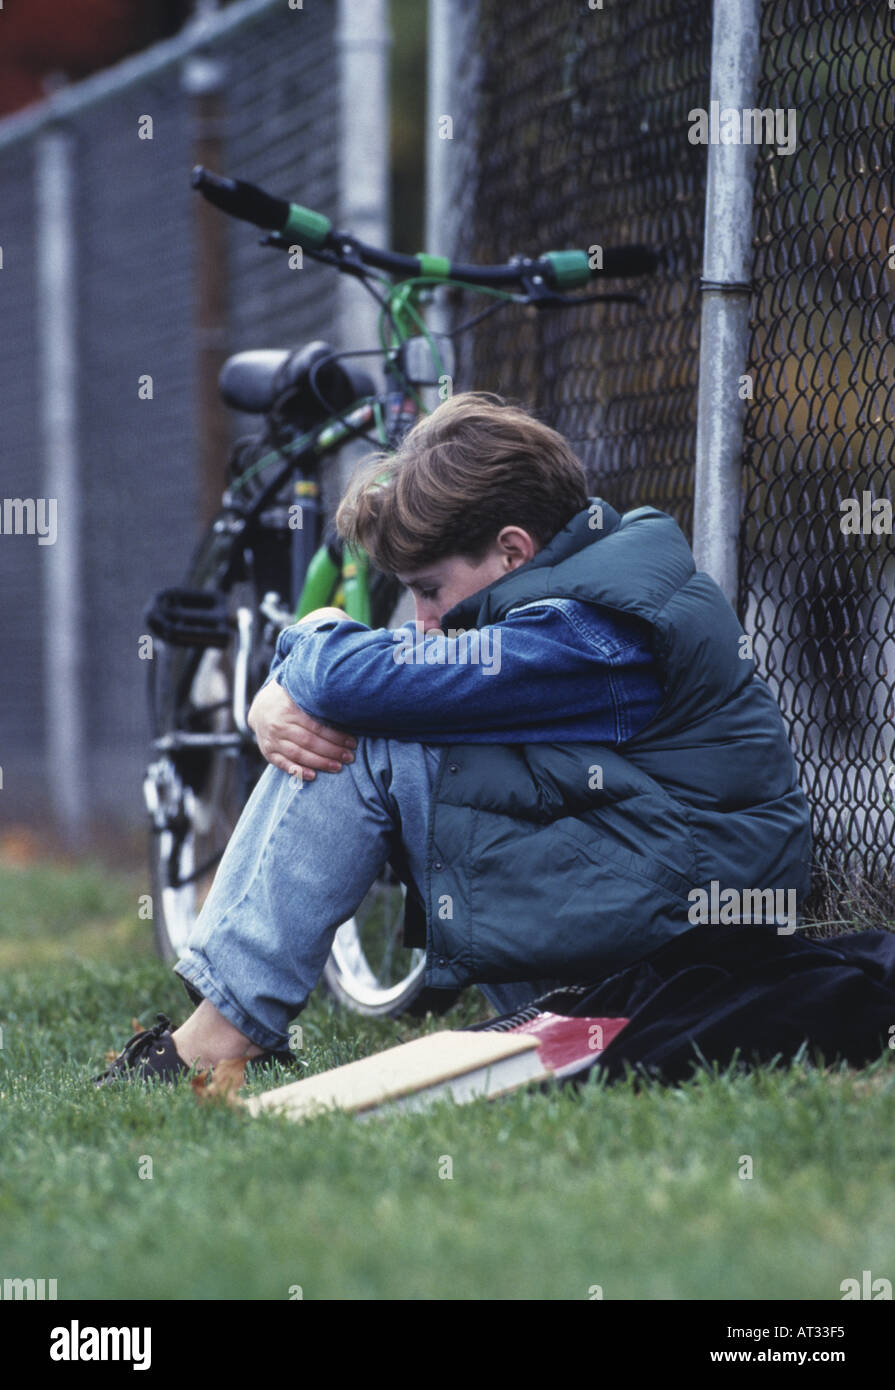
[(252, 204), (561, 269)]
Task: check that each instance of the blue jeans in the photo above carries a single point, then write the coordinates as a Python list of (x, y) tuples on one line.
[(299, 863)]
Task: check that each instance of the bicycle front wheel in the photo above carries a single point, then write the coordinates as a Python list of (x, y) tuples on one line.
[(201, 792)]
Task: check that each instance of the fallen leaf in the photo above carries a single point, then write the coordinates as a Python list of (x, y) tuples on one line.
[(220, 1082), (199, 1082), (110, 1055), (136, 1026)]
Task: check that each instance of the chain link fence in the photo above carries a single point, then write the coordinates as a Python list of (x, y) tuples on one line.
[(136, 260), (582, 140), (820, 429), (570, 128)]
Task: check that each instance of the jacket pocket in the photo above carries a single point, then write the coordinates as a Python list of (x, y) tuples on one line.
[(605, 852)]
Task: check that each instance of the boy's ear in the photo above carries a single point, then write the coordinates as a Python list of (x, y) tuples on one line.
[(517, 545)]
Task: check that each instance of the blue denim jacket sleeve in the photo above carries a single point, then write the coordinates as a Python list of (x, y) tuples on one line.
[(552, 670)]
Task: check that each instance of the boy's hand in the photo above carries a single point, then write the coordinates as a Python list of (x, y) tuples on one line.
[(291, 740)]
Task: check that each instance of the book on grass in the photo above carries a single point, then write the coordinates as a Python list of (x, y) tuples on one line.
[(529, 1047)]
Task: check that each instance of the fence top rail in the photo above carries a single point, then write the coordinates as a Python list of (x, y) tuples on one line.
[(204, 29)]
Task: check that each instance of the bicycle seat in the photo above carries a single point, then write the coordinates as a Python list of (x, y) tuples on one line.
[(252, 381)]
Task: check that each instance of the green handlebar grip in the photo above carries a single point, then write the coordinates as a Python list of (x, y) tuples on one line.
[(570, 268), (308, 227), (437, 267)]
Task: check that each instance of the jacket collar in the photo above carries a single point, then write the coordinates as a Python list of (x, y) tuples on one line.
[(490, 604)]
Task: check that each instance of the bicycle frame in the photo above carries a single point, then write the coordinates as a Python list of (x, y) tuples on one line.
[(316, 579)]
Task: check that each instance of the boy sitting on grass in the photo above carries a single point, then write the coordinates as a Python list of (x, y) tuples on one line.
[(555, 790)]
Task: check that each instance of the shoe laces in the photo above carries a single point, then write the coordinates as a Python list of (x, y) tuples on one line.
[(137, 1045)]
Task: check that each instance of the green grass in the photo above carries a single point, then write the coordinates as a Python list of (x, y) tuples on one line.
[(551, 1193)]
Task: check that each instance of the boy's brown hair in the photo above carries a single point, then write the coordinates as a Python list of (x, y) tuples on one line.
[(473, 466)]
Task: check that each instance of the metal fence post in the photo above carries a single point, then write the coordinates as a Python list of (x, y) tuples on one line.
[(204, 79), (726, 294), (452, 81), (363, 42), (57, 339)]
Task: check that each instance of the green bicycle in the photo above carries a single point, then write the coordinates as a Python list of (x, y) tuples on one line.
[(268, 559)]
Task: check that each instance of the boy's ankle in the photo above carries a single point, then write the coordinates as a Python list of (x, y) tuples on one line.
[(205, 1048)]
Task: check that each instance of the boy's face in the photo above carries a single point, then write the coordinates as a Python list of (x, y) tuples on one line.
[(437, 587)]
